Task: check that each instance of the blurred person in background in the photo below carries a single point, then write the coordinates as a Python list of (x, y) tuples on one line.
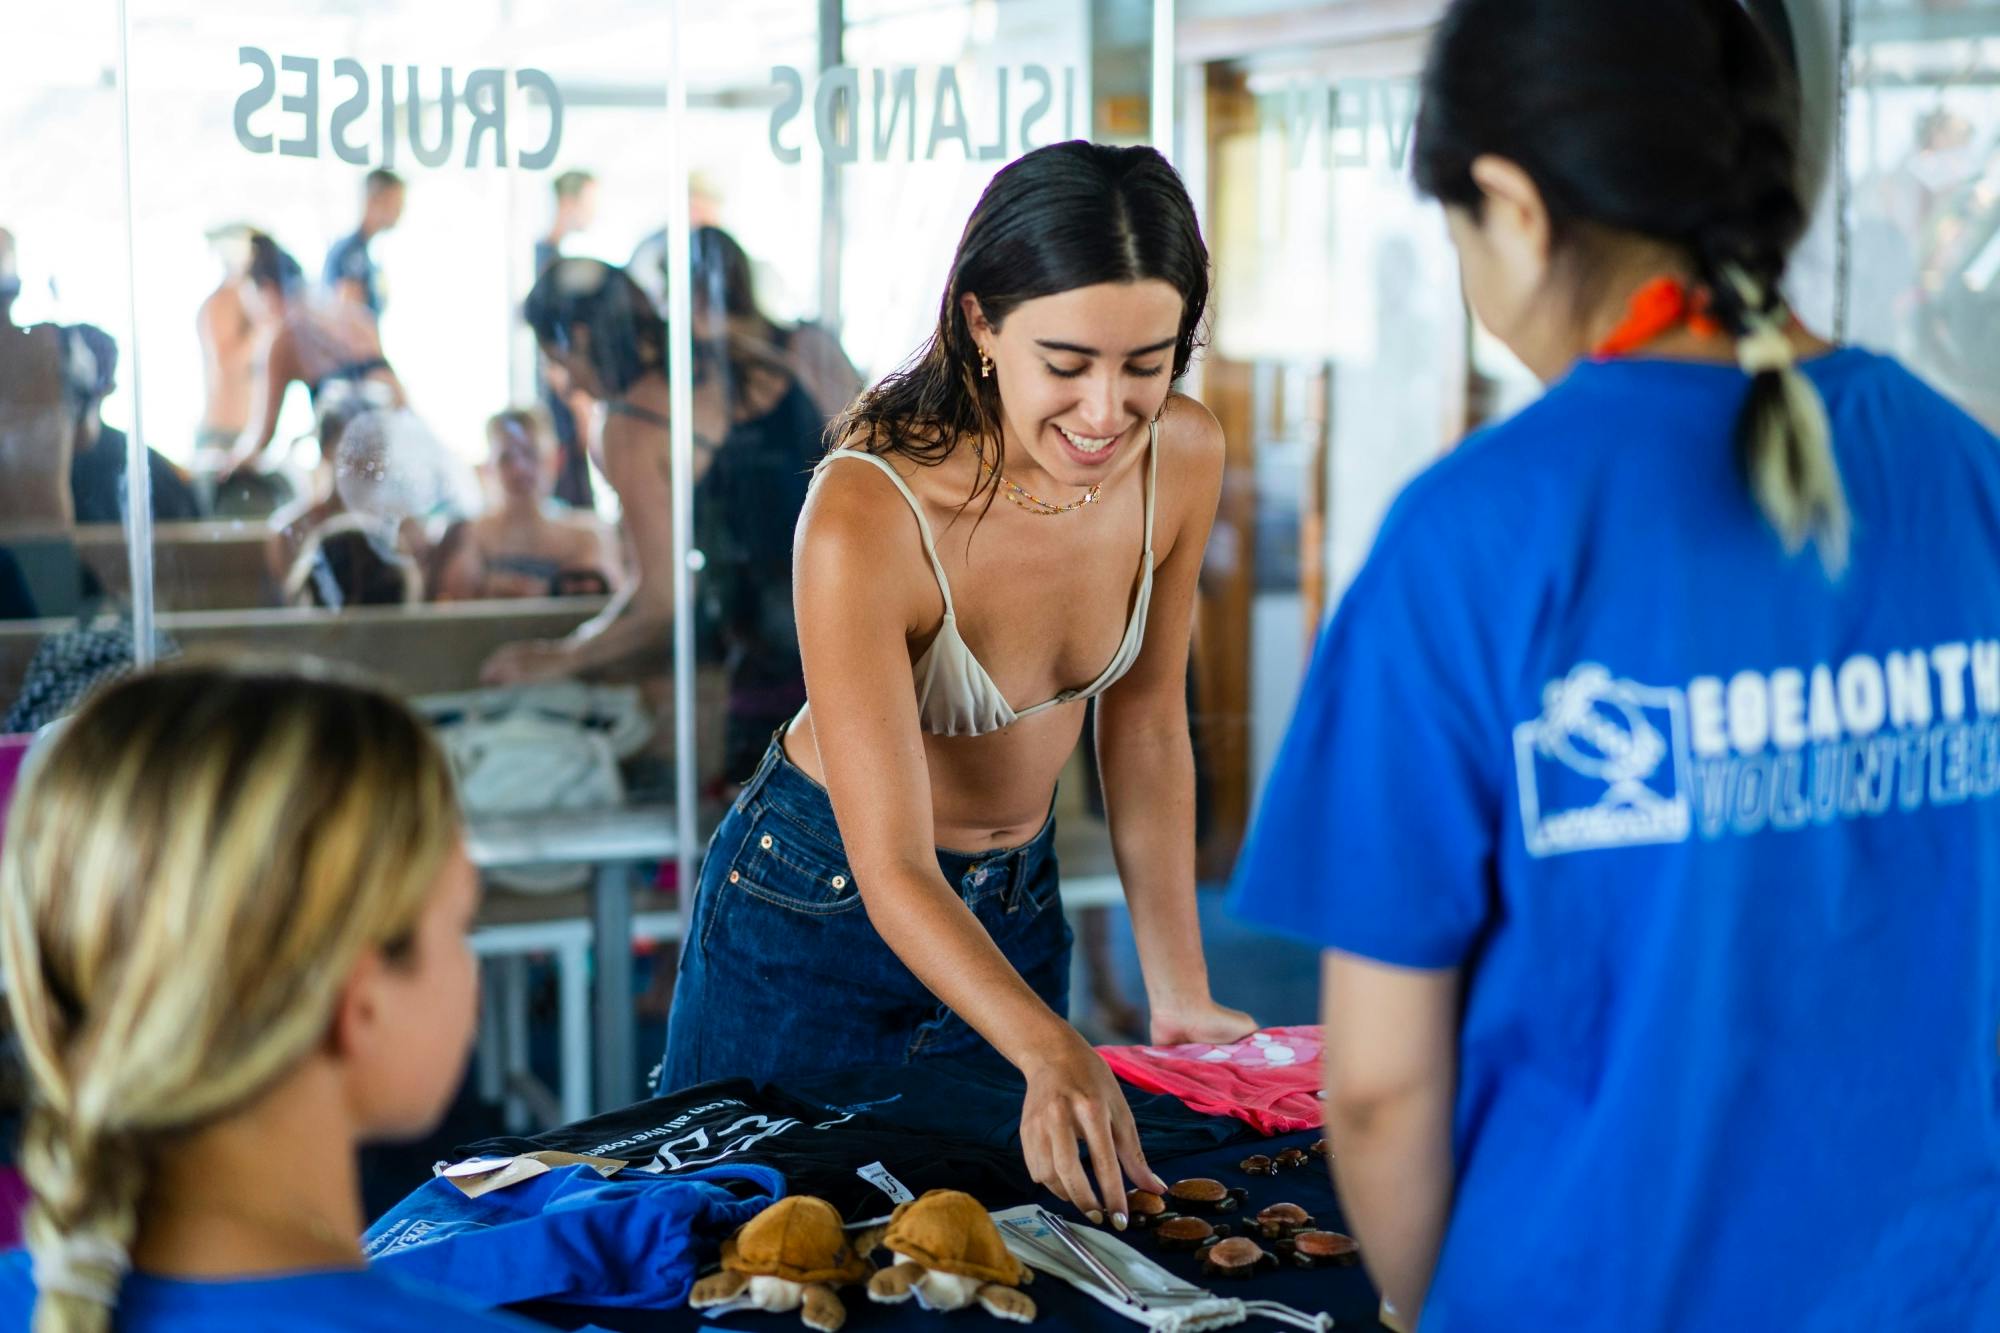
[(575, 210), (528, 544), (97, 468), (326, 346), (227, 326), (351, 275)]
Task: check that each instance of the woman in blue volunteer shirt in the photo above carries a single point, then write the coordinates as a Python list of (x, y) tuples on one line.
[(233, 915), (1643, 789)]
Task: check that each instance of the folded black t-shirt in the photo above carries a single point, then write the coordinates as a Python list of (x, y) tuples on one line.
[(978, 1096), (861, 1165)]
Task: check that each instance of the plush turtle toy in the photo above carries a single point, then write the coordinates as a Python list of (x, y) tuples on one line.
[(949, 1255), (792, 1255)]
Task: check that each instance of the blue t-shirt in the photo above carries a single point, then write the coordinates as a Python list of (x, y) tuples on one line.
[(325, 1302), (349, 261), (1713, 839)]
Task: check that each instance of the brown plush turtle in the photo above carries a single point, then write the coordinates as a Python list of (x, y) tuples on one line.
[(1199, 1194), (949, 1255), (1283, 1219), (1321, 1249), (1238, 1256), (791, 1256)]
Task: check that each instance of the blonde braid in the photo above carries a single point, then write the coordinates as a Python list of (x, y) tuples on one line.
[(79, 1228)]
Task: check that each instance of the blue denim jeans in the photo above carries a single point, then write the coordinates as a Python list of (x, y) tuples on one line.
[(784, 975)]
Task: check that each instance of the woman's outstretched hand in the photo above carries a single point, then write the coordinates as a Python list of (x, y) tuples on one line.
[(1073, 1098)]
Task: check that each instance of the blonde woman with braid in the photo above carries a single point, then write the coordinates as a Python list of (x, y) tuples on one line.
[(233, 914), (1645, 790)]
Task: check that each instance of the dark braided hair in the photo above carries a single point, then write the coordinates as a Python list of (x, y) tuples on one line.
[(1675, 120)]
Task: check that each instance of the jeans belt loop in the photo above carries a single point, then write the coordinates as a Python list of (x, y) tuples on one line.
[(774, 754)]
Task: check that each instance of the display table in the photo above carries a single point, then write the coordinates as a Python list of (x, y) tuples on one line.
[(1344, 1293)]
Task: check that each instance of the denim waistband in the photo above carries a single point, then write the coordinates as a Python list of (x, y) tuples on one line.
[(781, 784)]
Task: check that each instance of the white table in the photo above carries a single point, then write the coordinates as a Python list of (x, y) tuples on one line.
[(614, 843)]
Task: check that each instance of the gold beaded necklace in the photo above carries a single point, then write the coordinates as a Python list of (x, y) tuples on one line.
[(1027, 499)]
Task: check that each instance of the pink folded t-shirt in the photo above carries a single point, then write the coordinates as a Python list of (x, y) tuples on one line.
[(1270, 1079)]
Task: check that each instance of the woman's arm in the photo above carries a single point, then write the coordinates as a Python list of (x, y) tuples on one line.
[(1147, 759), (862, 588), (1391, 1076), (642, 614)]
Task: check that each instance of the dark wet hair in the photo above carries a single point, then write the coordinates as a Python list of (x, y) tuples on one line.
[(1675, 120), (90, 365), (271, 265), (627, 337), (721, 276), (1065, 216)]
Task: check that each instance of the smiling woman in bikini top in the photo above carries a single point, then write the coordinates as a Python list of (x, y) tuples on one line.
[(1009, 526)]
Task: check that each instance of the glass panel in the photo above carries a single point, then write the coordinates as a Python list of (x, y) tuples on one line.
[(392, 475), (1922, 259), (1338, 368), (66, 408)]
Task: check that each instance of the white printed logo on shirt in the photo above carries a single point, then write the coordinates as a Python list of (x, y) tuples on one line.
[(1603, 766), (1613, 763)]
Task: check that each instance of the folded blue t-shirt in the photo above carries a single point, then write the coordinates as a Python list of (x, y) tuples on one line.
[(571, 1235), (351, 1301)]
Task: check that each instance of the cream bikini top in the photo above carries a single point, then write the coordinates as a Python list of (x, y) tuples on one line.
[(955, 696)]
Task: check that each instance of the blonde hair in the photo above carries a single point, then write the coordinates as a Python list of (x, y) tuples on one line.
[(534, 422), (190, 874), (1783, 439)]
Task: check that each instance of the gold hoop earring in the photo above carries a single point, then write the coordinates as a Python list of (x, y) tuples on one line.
[(985, 365)]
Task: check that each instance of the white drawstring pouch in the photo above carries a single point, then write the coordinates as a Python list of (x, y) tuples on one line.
[(1165, 1303)]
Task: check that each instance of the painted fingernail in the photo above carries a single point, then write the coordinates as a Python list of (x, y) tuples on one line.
[(1096, 1218), (1118, 1221)]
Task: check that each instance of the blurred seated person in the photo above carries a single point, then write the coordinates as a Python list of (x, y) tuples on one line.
[(354, 560), (97, 467), (291, 525), (318, 343), (36, 433), (530, 546)]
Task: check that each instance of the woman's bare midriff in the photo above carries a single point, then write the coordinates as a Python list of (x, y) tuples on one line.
[(987, 791)]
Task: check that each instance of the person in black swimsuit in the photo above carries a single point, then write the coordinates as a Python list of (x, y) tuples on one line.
[(757, 434), (319, 344)]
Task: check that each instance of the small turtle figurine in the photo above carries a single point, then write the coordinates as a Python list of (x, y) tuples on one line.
[(1291, 1159), (1199, 1194), (1258, 1164), (1320, 1150), (1236, 1257), (791, 1256), (1282, 1220), (1321, 1249), (949, 1255), (1146, 1208), (1186, 1233)]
